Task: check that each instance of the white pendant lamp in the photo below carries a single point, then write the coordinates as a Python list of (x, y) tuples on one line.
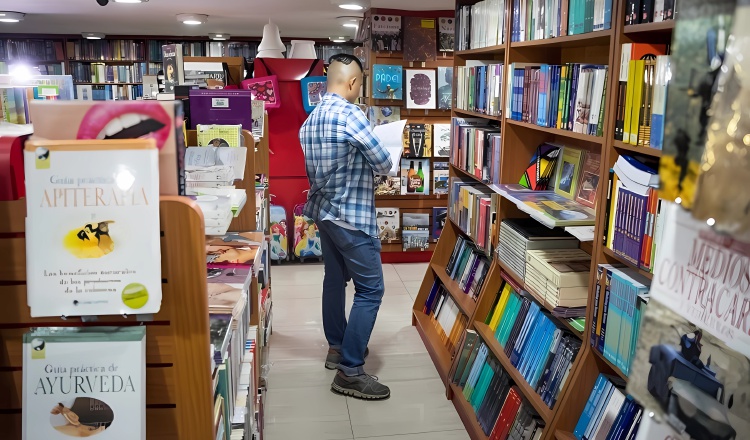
[(303, 49), (271, 45)]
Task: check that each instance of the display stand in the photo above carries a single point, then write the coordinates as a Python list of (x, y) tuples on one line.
[(179, 398)]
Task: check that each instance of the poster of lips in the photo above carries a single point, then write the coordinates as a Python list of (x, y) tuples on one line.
[(160, 120), (420, 89)]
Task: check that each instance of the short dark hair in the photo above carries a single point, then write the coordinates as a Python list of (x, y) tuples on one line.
[(347, 59)]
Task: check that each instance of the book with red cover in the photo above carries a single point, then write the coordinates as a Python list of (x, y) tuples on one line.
[(507, 415), (420, 39)]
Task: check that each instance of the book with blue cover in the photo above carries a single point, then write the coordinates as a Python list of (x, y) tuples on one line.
[(387, 82)]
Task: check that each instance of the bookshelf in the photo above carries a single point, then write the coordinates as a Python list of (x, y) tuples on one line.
[(519, 141)]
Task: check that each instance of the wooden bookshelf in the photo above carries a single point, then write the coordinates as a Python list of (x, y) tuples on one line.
[(472, 114), (482, 51), (466, 412), (650, 28), (557, 132), (564, 435), (611, 254), (643, 151), (439, 354), (463, 300), (589, 38)]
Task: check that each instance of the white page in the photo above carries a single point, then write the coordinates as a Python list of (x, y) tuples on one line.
[(199, 157), (234, 157), (392, 135)]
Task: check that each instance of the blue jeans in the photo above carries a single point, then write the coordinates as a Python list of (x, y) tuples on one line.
[(356, 255)]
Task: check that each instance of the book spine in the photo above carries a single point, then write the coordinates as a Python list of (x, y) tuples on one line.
[(605, 310)]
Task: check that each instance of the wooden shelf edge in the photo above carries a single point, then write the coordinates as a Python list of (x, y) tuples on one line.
[(559, 132), (612, 366), (438, 353), (482, 50), (627, 263), (645, 151), (529, 393), (564, 435), (477, 114), (567, 40), (464, 301), (466, 413), (662, 26)]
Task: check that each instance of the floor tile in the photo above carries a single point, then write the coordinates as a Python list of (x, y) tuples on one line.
[(313, 413), (411, 271), (459, 434)]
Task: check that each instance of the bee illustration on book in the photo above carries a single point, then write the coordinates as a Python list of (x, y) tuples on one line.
[(90, 241), (87, 417), (389, 91)]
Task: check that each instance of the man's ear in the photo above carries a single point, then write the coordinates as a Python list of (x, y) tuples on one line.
[(352, 82)]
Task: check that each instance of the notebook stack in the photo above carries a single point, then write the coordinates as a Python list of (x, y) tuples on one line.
[(560, 277)]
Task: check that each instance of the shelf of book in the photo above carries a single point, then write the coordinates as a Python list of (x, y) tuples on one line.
[(492, 50), (464, 301), (476, 114), (609, 252), (557, 131), (585, 39), (616, 370), (439, 354), (107, 83), (484, 331), (645, 151), (466, 413), (661, 26)]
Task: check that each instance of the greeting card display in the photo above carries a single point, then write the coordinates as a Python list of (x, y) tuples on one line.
[(313, 89), (84, 382), (420, 89), (101, 254), (264, 89)]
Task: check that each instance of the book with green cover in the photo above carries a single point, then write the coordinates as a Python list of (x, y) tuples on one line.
[(568, 171)]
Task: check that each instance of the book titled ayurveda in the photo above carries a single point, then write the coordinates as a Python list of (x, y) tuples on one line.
[(101, 254), (84, 382)]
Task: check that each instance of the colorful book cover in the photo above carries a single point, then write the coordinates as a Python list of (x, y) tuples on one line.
[(444, 88), (568, 172), (537, 174), (386, 33), (387, 185), (420, 39), (172, 66), (441, 140), (417, 140), (415, 232), (313, 89), (447, 34), (98, 256), (439, 215), (389, 224), (415, 177), (84, 382), (387, 82), (420, 89), (698, 47), (440, 178), (589, 180), (219, 135), (383, 114)]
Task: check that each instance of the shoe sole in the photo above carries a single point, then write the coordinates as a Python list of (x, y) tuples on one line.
[(356, 394), (331, 365)]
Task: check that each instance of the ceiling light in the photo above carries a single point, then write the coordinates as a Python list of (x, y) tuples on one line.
[(130, 1), (192, 19), (349, 21), (352, 5), (93, 35), (11, 17), (339, 39), (219, 37)]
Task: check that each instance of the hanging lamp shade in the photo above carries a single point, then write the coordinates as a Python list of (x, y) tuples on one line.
[(271, 41), (270, 54), (303, 49)]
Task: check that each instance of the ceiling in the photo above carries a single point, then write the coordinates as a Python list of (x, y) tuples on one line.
[(295, 18)]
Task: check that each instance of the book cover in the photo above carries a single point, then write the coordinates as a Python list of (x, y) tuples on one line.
[(219, 135), (415, 231), (84, 382), (383, 114), (441, 140), (537, 174), (568, 172), (420, 39), (589, 180), (440, 178), (389, 224), (313, 89), (386, 33), (98, 256), (447, 33), (387, 82), (415, 177), (84, 93), (417, 140), (420, 89), (439, 216), (387, 185), (698, 46), (172, 66), (258, 117), (444, 88)]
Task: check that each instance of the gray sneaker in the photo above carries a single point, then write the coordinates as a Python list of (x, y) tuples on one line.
[(333, 358), (363, 386)]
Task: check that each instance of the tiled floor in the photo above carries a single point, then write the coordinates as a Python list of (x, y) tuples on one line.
[(300, 404)]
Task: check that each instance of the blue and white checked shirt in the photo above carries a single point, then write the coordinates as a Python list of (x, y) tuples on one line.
[(341, 156)]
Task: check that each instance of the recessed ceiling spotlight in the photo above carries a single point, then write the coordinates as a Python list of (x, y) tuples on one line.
[(219, 37), (11, 17), (192, 19), (130, 1), (352, 5), (339, 39), (93, 35), (349, 21)]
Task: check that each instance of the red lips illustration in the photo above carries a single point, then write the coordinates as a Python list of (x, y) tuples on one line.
[(127, 120)]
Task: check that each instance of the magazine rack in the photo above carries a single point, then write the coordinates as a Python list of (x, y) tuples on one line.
[(179, 397)]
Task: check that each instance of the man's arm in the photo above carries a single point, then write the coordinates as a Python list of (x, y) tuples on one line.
[(363, 138)]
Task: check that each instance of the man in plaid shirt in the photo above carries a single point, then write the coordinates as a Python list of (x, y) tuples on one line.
[(342, 154)]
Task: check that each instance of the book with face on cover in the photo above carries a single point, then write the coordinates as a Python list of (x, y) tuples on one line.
[(447, 31), (444, 88), (386, 33), (84, 382), (101, 254)]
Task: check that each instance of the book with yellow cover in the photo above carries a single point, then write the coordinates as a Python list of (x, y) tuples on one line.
[(101, 254), (219, 135), (629, 102), (637, 100)]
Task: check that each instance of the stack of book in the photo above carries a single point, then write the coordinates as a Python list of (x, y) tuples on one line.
[(539, 19), (497, 402), (568, 97), (468, 266), (649, 11), (535, 344), (609, 413), (481, 24), (558, 277), (620, 301), (445, 315), (479, 87), (633, 227), (642, 94), (476, 149), (517, 236), (471, 209)]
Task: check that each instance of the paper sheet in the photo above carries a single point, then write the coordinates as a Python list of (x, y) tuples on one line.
[(583, 233), (392, 135)]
